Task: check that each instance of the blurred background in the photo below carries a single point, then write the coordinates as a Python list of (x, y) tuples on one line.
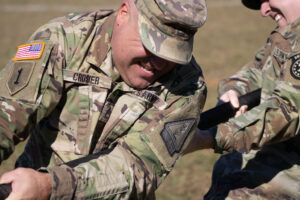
[(228, 40)]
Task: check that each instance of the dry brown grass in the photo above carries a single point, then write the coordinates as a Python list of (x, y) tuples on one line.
[(228, 40)]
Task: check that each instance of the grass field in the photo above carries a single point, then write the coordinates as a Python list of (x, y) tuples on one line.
[(228, 40)]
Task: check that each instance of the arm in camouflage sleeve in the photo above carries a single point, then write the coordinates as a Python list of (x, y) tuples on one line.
[(22, 107), (140, 160), (14, 117), (276, 119)]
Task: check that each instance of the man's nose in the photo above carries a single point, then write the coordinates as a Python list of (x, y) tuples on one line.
[(265, 9)]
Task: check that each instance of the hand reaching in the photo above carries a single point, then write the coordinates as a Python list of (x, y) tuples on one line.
[(232, 97), (28, 184)]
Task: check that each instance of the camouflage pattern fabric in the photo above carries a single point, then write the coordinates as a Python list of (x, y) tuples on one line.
[(273, 172), (97, 137), (167, 27)]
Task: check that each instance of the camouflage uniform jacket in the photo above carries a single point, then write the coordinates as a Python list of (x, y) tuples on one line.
[(275, 69), (96, 136), (271, 172)]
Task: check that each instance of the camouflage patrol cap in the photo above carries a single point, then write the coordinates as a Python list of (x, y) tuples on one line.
[(167, 27), (252, 4)]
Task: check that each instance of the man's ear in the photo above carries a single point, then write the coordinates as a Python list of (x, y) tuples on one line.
[(123, 13)]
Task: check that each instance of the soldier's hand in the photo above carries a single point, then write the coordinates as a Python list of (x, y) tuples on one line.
[(232, 97), (28, 184)]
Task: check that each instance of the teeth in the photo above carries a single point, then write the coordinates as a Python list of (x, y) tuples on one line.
[(277, 18), (146, 67)]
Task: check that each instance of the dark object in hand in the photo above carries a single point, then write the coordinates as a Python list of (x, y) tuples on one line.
[(5, 190), (223, 112)]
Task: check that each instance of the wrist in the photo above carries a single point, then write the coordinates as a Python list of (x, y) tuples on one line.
[(45, 183)]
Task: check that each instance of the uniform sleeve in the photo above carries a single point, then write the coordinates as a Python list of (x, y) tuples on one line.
[(276, 119), (14, 119), (30, 89), (140, 160)]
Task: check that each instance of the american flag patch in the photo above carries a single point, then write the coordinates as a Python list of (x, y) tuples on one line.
[(29, 51)]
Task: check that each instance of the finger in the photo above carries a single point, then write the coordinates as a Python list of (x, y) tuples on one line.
[(7, 177), (225, 97), (243, 109), (233, 97), (235, 102), (238, 113)]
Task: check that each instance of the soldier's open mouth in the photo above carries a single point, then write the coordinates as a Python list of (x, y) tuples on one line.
[(277, 17), (146, 67)]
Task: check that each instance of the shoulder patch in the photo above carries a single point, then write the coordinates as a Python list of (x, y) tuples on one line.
[(19, 76), (295, 67), (29, 51), (175, 133)]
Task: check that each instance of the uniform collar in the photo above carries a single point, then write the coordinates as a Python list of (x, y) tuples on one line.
[(289, 30), (99, 53)]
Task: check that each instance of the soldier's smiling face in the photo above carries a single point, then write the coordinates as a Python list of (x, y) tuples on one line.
[(282, 11), (137, 66)]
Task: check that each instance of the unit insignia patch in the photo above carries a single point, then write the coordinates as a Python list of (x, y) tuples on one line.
[(175, 133)]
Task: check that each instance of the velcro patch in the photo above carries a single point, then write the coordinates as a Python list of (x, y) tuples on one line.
[(86, 78), (19, 76), (295, 67), (280, 55), (175, 133), (151, 98), (30, 51)]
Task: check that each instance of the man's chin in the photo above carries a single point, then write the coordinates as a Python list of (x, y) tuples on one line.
[(140, 85)]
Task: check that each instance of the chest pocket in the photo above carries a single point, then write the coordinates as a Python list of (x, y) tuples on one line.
[(91, 101), (124, 114), (87, 97), (84, 100), (77, 121)]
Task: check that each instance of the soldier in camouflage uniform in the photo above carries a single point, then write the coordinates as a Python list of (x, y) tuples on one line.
[(110, 100), (273, 172)]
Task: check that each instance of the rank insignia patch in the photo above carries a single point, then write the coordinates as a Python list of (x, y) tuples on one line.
[(295, 67), (175, 133), (29, 51)]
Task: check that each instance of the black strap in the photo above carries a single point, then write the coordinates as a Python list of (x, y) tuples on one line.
[(225, 111)]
